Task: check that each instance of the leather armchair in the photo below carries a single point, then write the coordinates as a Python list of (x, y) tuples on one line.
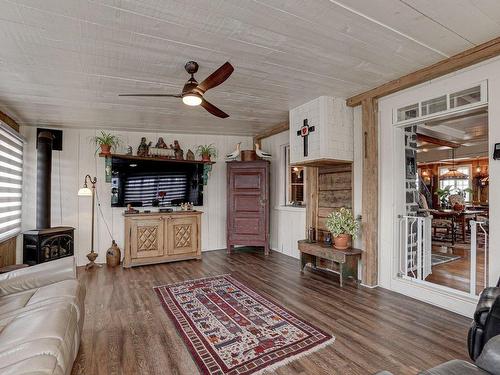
[(488, 363), (486, 323)]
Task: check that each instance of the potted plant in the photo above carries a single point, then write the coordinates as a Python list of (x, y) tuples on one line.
[(342, 225), (207, 151), (106, 141)]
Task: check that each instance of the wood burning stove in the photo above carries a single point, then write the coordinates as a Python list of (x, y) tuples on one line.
[(45, 243)]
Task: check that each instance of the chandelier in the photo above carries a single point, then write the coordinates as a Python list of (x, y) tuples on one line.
[(453, 173)]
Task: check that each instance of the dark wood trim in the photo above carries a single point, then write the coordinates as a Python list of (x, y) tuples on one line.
[(284, 126), (459, 61), (9, 121), (436, 141), (369, 211)]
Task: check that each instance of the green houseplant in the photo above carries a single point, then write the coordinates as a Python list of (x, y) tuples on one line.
[(342, 225), (207, 151), (106, 141)]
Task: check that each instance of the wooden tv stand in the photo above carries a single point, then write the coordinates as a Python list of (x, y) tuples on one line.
[(162, 237)]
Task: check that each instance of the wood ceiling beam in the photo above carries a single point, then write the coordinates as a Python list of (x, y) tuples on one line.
[(459, 61), (437, 141), (284, 126)]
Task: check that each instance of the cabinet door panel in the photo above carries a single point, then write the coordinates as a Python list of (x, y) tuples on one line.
[(182, 235), (248, 206), (147, 238)]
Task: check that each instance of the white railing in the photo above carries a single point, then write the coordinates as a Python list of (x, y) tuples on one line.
[(415, 247), (474, 225)]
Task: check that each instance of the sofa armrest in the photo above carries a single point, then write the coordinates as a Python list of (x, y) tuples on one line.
[(37, 276), (489, 360)]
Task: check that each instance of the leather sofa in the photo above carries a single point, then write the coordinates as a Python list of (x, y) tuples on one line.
[(488, 363), (41, 319), (486, 323)]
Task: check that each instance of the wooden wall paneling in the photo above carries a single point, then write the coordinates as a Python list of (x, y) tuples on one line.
[(459, 61), (370, 192), (334, 191), (8, 252)]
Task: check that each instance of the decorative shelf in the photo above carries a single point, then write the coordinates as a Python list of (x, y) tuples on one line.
[(155, 158)]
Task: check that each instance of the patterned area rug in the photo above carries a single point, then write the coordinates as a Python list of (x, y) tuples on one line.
[(232, 330)]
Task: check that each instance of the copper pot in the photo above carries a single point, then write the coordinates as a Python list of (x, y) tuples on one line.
[(248, 155)]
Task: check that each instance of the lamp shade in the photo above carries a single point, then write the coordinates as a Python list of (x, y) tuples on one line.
[(84, 192)]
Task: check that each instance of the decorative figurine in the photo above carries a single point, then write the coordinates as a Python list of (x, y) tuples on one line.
[(179, 154), (236, 153), (129, 150), (187, 206), (143, 149), (130, 209), (261, 153), (161, 143), (190, 155)]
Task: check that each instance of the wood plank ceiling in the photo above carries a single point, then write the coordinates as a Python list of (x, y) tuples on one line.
[(63, 62)]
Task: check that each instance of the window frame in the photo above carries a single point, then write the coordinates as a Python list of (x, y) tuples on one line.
[(468, 196), (287, 168), (14, 229)]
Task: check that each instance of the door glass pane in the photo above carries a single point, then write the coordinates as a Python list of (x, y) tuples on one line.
[(434, 105), (464, 97)]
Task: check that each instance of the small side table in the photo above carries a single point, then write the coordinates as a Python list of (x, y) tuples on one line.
[(342, 262)]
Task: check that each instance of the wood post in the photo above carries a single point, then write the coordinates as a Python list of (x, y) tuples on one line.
[(370, 191)]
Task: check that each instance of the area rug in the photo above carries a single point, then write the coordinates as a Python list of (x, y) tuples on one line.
[(443, 258), (231, 329)]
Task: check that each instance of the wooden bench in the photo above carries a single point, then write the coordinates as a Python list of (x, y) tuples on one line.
[(320, 256)]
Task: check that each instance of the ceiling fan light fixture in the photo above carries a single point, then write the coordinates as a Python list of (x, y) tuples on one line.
[(191, 99)]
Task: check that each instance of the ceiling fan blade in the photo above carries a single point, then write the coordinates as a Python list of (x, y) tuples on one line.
[(154, 95), (217, 77), (213, 109)]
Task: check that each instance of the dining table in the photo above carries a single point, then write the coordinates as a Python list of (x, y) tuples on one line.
[(459, 217)]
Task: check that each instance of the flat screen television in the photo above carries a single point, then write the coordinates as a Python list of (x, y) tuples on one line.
[(155, 183)]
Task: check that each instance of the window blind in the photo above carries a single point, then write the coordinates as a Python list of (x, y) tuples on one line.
[(145, 188), (11, 178)]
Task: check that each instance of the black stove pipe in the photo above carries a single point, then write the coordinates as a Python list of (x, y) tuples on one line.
[(43, 179)]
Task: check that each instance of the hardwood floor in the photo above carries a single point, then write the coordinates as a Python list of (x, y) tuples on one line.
[(456, 274), (126, 330)]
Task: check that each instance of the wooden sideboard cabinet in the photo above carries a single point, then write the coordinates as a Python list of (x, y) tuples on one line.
[(162, 237)]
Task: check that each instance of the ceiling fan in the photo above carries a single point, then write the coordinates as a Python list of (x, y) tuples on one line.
[(192, 92)]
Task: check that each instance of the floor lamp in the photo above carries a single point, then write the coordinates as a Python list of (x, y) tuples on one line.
[(85, 191)]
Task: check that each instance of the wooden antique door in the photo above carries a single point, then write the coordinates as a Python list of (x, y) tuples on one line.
[(248, 204), (147, 238)]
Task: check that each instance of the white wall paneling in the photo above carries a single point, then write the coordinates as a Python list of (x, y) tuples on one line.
[(78, 158), (287, 223), (332, 138)]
